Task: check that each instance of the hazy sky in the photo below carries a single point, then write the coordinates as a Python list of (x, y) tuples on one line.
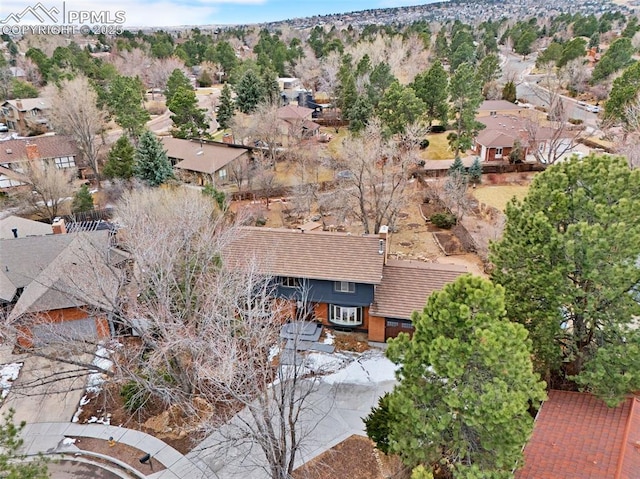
[(202, 12)]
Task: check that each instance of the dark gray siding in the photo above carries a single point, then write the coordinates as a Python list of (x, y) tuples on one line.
[(323, 292)]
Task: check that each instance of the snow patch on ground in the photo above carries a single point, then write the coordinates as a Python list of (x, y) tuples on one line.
[(106, 420), (370, 367), (8, 374), (68, 441), (94, 384), (329, 338), (325, 363)]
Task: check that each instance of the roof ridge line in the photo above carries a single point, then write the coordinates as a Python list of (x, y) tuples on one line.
[(625, 437)]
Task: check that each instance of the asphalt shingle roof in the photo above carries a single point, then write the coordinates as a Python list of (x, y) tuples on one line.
[(314, 255), (406, 285)]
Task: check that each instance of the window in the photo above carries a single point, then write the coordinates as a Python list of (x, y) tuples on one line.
[(345, 315), (289, 282), (498, 152), (344, 287), (65, 162), (222, 174)]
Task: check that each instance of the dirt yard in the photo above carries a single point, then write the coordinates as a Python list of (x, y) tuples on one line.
[(340, 462), (123, 452)]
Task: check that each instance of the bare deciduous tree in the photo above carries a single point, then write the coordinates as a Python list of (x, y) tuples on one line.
[(548, 143), (78, 115), (376, 179), (50, 187)]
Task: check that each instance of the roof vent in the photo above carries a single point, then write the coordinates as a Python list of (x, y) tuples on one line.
[(9, 151), (381, 246)]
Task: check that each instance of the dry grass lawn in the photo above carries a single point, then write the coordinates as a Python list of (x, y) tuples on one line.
[(499, 195), (438, 148)]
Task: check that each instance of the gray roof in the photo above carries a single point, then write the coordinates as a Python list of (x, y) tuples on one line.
[(57, 271), (30, 104), (24, 226)]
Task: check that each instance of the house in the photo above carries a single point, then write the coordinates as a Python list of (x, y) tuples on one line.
[(502, 107), (59, 285), (339, 279), (17, 227), (27, 116), (60, 151), (501, 132), (298, 120), (404, 288), (205, 162), (576, 436)]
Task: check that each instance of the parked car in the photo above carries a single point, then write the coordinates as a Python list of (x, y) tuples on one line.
[(3, 127)]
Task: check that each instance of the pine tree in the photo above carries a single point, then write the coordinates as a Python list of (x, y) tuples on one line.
[(176, 80), (457, 167), (189, 119), (475, 171), (82, 201), (226, 108), (152, 165), (12, 463), (568, 260), (509, 92), (249, 92), (120, 162), (466, 384)]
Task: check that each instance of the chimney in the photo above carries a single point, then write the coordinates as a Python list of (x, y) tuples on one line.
[(58, 226), (227, 138), (32, 151), (382, 242), (19, 104), (15, 232)]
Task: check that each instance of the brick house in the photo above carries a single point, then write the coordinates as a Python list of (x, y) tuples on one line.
[(59, 285), (60, 151), (501, 132), (343, 281)]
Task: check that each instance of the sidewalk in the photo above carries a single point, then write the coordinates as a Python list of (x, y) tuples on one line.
[(47, 437)]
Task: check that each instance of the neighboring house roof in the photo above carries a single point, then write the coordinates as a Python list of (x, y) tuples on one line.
[(576, 436), (58, 271), (23, 226), (310, 125), (294, 113), (406, 285), (514, 126), (204, 157), (313, 255), (497, 139), (40, 147), (498, 105), (27, 104)]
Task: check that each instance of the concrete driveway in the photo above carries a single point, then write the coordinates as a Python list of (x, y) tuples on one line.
[(335, 412), (45, 390)]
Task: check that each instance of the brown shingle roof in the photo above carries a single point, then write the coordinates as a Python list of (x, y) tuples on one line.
[(294, 112), (314, 255), (497, 105), (24, 227), (50, 146), (213, 157), (497, 139), (576, 436), (406, 285)]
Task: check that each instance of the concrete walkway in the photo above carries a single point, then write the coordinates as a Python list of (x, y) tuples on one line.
[(47, 437)]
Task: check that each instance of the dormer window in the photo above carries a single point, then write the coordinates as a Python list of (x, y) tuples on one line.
[(344, 287)]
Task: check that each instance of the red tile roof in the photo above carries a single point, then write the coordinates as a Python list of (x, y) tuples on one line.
[(576, 436)]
